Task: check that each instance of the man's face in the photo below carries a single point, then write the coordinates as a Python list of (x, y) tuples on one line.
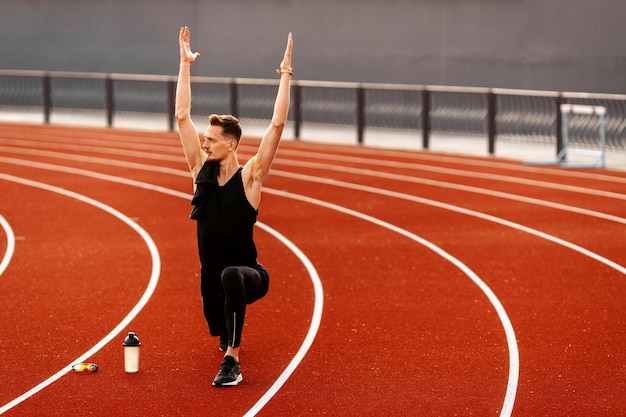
[(215, 144)]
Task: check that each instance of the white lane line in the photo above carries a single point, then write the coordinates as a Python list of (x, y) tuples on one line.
[(379, 174), (8, 253), (368, 172), (459, 173), (378, 153), (97, 160), (313, 328), (457, 209), (318, 306), (90, 145), (453, 186), (24, 149), (317, 285), (154, 278), (338, 158), (460, 210), (417, 155), (326, 157), (513, 377), (100, 176)]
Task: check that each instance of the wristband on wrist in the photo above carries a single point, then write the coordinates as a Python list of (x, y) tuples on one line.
[(282, 71)]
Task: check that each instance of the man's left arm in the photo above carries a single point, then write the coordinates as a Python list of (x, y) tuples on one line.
[(261, 163)]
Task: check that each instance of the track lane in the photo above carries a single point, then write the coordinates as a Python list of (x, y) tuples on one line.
[(379, 337), (127, 141), (599, 316), (397, 178), (166, 349), (463, 166), (547, 222), (494, 212), (49, 349)]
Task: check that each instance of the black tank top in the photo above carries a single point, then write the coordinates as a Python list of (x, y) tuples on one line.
[(225, 220)]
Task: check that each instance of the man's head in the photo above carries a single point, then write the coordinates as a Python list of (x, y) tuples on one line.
[(221, 137), (230, 125)]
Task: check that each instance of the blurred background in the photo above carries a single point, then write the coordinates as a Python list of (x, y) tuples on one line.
[(559, 45)]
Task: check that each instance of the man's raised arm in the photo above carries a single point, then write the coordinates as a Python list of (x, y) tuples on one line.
[(187, 130), (262, 161)]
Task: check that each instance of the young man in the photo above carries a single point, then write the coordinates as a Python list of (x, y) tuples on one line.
[(226, 201)]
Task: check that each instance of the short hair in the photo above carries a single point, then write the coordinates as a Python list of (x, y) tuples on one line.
[(230, 124)]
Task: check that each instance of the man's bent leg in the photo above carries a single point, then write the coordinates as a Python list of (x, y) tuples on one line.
[(242, 286)]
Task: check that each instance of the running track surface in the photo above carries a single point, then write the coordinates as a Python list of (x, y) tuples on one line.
[(403, 283)]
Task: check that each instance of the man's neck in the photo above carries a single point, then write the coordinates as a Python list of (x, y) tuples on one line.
[(228, 168)]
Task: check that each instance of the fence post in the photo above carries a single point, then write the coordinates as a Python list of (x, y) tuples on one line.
[(47, 98), (559, 123), (425, 118), (171, 103), (491, 122), (108, 87), (233, 98), (297, 110), (360, 114)]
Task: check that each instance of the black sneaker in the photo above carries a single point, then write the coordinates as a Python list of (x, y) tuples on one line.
[(229, 374)]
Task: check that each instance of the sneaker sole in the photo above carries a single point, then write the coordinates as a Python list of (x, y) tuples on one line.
[(230, 384)]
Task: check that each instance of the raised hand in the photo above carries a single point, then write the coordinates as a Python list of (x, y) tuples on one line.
[(285, 65), (185, 48)]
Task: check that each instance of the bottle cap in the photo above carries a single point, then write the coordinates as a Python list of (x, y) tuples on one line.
[(132, 340)]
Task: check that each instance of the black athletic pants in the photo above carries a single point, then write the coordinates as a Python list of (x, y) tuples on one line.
[(225, 295)]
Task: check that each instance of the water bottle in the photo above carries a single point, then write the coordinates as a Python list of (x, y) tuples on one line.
[(131, 353)]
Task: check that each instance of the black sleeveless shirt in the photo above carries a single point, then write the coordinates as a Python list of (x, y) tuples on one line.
[(225, 221)]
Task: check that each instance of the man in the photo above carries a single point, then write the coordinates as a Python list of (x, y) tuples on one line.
[(226, 201)]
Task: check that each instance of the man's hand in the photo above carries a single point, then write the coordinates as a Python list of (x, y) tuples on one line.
[(185, 49), (286, 64)]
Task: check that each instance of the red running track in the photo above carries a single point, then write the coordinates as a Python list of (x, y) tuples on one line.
[(403, 283)]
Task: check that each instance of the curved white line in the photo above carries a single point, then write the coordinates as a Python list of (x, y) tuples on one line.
[(8, 254), (318, 291), (513, 378), (461, 210), (318, 306), (461, 173), (427, 202), (490, 163), (379, 152), (97, 160), (100, 176), (339, 168), (451, 186), (127, 148), (154, 278), (313, 328), (459, 160)]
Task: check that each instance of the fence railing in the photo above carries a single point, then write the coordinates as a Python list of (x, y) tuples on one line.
[(493, 113)]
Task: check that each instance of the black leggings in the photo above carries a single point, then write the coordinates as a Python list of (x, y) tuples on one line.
[(225, 296)]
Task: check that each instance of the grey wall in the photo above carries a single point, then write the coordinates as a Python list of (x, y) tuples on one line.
[(570, 45)]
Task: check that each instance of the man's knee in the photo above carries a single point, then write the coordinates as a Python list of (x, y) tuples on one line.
[(232, 279)]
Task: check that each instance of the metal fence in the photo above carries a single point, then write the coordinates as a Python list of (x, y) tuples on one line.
[(502, 114)]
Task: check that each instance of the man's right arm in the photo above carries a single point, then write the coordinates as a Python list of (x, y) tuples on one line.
[(186, 129)]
